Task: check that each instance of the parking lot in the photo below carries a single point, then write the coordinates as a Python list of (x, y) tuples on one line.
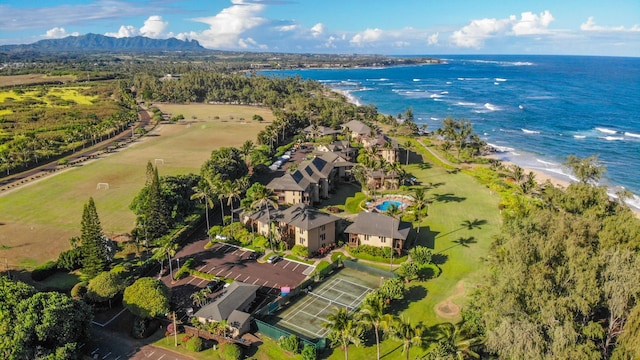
[(233, 262)]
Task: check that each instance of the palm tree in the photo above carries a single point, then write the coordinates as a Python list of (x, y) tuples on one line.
[(453, 344), (394, 212), (411, 335), (200, 297), (202, 191), (264, 197), (231, 190), (343, 329), (372, 314), (408, 145), (419, 203), (246, 150), (169, 249)]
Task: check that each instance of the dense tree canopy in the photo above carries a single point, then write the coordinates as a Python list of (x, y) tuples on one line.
[(147, 297)]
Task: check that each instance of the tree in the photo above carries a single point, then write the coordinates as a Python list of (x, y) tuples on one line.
[(92, 241), (246, 150), (105, 286), (408, 270), (394, 212), (50, 325), (146, 298), (343, 329), (408, 145), (419, 204), (202, 192), (264, 198), (587, 170), (410, 335), (153, 216), (392, 289), (371, 313), (168, 248), (421, 255)]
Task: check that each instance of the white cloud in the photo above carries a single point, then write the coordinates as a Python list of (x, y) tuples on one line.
[(226, 27), (317, 29), (474, 34), (124, 31), (58, 32), (287, 28), (478, 31), (433, 39), (531, 24), (154, 27), (366, 36), (590, 25)]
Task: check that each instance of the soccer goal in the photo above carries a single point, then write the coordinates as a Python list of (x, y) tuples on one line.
[(102, 186), (158, 161)]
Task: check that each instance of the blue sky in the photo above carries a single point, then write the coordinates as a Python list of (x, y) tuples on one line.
[(400, 27)]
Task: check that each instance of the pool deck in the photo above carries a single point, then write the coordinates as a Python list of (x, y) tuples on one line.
[(380, 199)]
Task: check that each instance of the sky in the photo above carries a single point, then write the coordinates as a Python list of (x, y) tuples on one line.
[(398, 27)]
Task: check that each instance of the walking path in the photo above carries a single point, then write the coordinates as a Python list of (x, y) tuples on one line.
[(435, 154)]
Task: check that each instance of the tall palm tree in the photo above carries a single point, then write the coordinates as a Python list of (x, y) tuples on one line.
[(232, 191), (343, 329), (411, 335), (419, 203), (408, 145), (264, 197), (169, 249), (246, 150), (372, 314), (202, 192), (394, 212)]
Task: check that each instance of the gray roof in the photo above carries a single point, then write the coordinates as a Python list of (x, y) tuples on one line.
[(334, 158), (321, 130), (287, 182), (357, 127), (234, 295), (305, 217), (377, 224), (237, 318)]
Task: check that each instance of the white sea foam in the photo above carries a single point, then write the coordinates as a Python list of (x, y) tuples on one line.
[(434, 118), (444, 92), (579, 136), (546, 163), (472, 79), (612, 138), (464, 103), (448, 82), (416, 80), (606, 131), (491, 107), (433, 96), (630, 134), (501, 80), (501, 149), (496, 83), (530, 131)]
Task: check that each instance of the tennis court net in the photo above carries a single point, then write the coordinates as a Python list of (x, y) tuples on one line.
[(332, 301)]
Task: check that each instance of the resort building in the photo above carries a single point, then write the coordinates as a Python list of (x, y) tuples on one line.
[(233, 306), (309, 184), (341, 148), (297, 225), (357, 130), (376, 229), (313, 131)]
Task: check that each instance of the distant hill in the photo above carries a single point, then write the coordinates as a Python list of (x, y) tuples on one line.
[(101, 43)]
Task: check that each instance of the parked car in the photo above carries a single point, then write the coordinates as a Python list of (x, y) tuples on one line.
[(215, 285), (253, 256), (274, 259)]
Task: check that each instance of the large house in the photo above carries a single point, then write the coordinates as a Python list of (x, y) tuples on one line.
[(376, 229), (297, 225), (233, 306), (339, 147), (357, 130), (309, 184), (313, 131)]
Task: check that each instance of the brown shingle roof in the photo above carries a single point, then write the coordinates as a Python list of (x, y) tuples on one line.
[(376, 224)]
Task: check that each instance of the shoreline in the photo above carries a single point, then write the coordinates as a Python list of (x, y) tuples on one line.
[(560, 180)]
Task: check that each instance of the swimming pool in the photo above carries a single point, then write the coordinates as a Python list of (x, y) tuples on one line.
[(385, 205)]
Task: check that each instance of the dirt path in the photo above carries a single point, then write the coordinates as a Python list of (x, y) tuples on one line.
[(435, 154)]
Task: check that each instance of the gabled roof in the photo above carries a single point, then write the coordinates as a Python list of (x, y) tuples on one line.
[(221, 308), (321, 130), (357, 127), (305, 217), (287, 182), (377, 224), (334, 158)]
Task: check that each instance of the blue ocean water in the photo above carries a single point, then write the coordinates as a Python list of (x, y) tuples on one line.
[(538, 109)]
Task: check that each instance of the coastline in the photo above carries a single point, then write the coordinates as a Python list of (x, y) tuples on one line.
[(556, 178)]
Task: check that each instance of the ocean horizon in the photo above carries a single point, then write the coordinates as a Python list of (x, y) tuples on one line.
[(536, 109)]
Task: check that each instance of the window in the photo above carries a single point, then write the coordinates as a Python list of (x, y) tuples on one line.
[(366, 238), (383, 239), (322, 228), (302, 241), (323, 237)]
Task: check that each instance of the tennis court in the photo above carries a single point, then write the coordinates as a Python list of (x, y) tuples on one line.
[(347, 288)]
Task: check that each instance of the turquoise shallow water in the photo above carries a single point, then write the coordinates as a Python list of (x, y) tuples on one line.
[(537, 109)]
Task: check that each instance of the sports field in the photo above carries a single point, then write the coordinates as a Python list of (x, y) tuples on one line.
[(347, 288), (37, 220)]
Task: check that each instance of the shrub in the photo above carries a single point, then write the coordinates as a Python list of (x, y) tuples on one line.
[(383, 252), (260, 242), (195, 344), (309, 352), (79, 290), (184, 269), (421, 255), (70, 260), (44, 271), (231, 352), (300, 251), (290, 343)]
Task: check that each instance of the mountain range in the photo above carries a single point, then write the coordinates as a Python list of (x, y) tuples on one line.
[(101, 43)]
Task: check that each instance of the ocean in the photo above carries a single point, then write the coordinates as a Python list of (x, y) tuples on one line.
[(536, 109)]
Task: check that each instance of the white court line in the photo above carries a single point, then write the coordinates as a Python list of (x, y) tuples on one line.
[(218, 273), (287, 264), (106, 356), (229, 274), (161, 356), (265, 283), (255, 281), (236, 278), (294, 269), (245, 280), (95, 351)]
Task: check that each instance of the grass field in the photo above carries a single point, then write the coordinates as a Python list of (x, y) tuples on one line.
[(37, 220), (65, 93), (30, 79)]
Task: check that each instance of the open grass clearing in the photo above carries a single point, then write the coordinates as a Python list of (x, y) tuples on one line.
[(30, 79), (65, 93), (37, 220)]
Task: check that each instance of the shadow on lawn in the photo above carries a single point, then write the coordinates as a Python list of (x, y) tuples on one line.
[(413, 294), (448, 197)]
